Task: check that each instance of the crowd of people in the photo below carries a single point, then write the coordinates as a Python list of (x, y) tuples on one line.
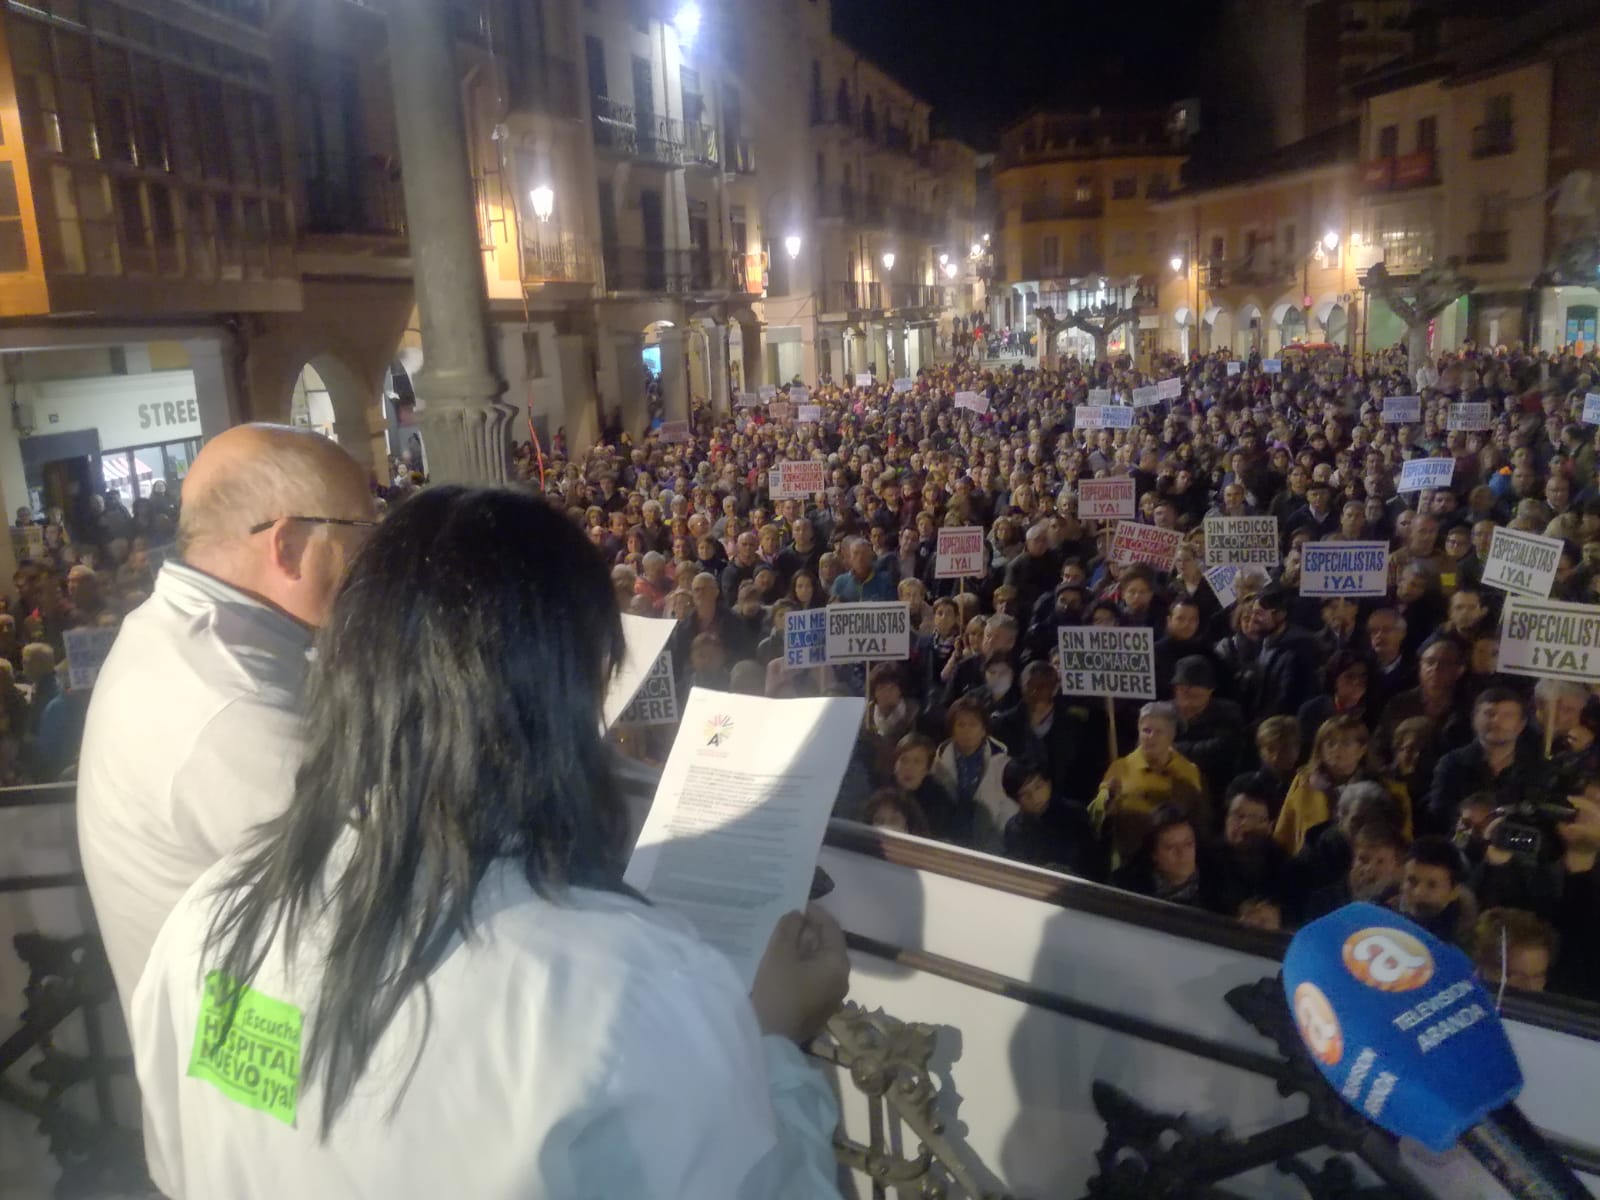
[(1301, 752)]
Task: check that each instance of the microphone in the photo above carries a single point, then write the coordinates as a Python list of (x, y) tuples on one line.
[(1400, 1028)]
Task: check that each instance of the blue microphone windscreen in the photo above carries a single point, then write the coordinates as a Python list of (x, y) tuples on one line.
[(1397, 1024)]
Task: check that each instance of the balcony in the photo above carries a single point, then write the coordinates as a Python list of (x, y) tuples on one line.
[(855, 297), (701, 146), (1492, 139), (364, 201), (659, 271), (1063, 210), (738, 156), (643, 136), (1214, 275), (1400, 172), (557, 262), (1489, 246)]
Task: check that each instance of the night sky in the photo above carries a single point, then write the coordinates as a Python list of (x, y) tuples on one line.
[(982, 65)]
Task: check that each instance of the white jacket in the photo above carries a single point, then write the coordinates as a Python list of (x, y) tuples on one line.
[(192, 738), (586, 1050), (995, 808)]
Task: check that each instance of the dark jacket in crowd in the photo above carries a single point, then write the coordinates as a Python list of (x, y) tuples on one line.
[(1061, 838), (1214, 741), (1464, 771), (1289, 673), (1073, 751)]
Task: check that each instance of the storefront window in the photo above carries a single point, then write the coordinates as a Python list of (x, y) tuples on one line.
[(133, 473)]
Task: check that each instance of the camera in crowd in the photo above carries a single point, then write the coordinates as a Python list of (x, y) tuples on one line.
[(1530, 830)]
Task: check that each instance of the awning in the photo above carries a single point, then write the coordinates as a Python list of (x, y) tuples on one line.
[(1280, 311), (115, 467), (1250, 312), (1183, 315), (1324, 308), (1209, 317)]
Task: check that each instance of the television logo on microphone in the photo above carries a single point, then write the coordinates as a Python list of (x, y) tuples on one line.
[(1388, 959), (1319, 1027)]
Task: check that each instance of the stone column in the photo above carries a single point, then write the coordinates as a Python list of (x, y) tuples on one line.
[(717, 368), (465, 424), (674, 376)]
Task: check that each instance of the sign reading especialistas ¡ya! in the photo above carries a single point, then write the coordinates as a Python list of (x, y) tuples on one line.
[(959, 552), (1102, 416), (869, 632), (805, 639), (1134, 543), (975, 401), (1107, 499), (1471, 417), (1344, 569), (1418, 474), (1242, 541), (797, 480), (1120, 663), (1402, 410), (1550, 640), (1522, 563)]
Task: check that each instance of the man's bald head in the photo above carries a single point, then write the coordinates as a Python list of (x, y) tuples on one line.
[(254, 475)]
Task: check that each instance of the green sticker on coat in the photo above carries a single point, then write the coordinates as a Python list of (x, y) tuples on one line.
[(258, 1063)]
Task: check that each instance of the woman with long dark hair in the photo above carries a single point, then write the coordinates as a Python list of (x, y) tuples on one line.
[(427, 978)]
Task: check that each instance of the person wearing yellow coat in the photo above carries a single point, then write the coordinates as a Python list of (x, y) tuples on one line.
[(1336, 758), (1137, 784)]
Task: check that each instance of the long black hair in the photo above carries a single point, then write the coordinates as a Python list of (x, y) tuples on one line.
[(452, 719)]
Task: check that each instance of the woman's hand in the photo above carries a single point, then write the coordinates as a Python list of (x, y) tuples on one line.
[(804, 976)]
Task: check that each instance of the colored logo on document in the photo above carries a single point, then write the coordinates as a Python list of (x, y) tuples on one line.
[(719, 729), (1319, 1027), (1390, 960)]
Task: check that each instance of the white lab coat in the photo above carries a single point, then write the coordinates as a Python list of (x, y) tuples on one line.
[(591, 1048), (191, 739)]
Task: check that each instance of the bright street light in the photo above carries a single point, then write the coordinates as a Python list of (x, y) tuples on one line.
[(687, 22), (792, 245), (944, 259), (1177, 262), (977, 250), (949, 270), (544, 201), (1330, 240), (888, 260)]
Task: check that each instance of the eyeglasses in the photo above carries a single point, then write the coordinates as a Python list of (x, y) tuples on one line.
[(265, 525)]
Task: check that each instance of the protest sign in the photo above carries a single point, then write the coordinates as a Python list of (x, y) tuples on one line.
[(1242, 541), (805, 639), (797, 480), (1099, 395), (959, 553), (1550, 640), (1344, 569), (767, 393), (731, 840), (1522, 563), (869, 632), (644, 640), (674, 431), (1144, 543), (1402, 410), (902, 385), (1591, 408), (1272, 366), (1117, 663), (1472, 417), (1143, 397), (808, 412), (27, 542), (976, 401), (1107, 499), (1102, 416), (799, 395), (86, 653), (1170, 389), (1417, 474), (656, 701), (863, 379), (1234, 367), (1222, 580), (780, 410), (748, 399)]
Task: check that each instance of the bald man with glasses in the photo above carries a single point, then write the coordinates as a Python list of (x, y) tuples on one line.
[(192, 735)]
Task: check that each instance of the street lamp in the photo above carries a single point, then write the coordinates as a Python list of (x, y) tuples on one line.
[(977, 250), (949, 269), (1177, 262), (888, 260), (791, 244), (544, 202), (1330, 241), (944, 260), (687, 22)]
